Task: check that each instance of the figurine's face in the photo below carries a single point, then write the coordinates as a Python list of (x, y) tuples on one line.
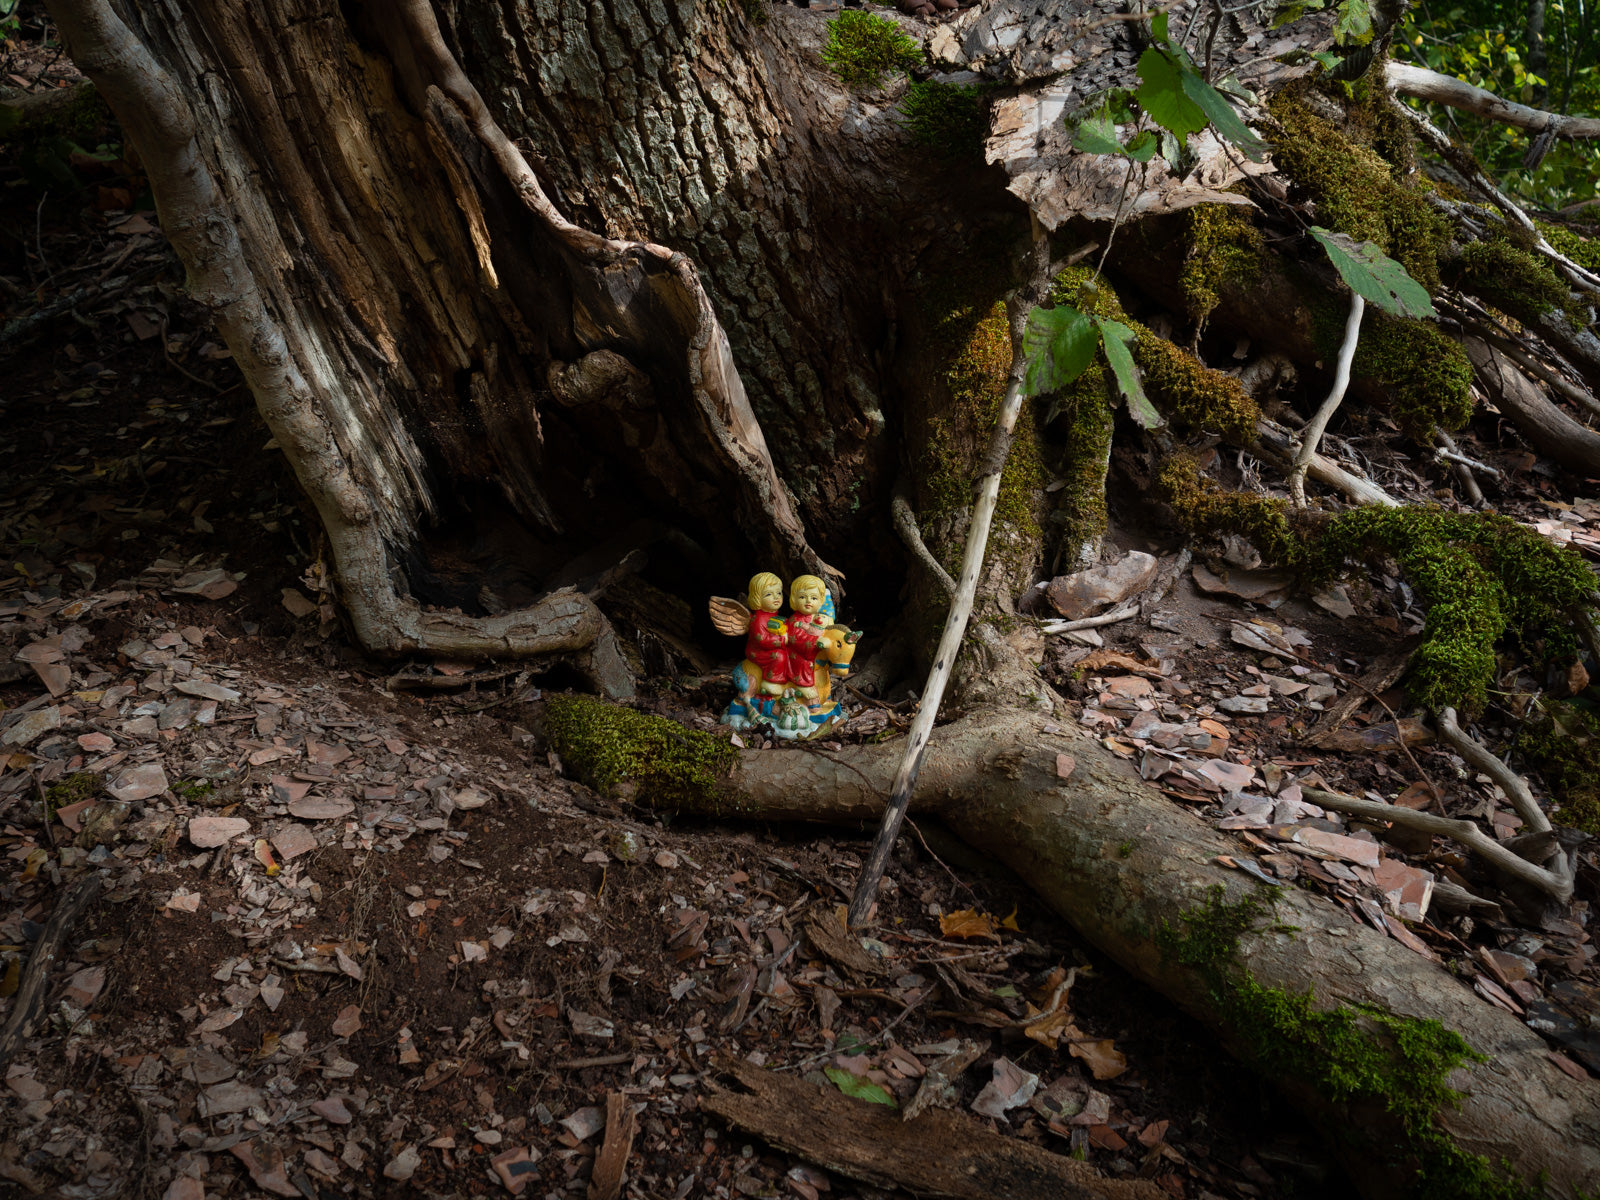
[(769, 598), (807, 600)]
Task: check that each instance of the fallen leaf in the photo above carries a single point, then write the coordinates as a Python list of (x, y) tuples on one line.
[(1009, 1088), (967, 923), (861, 1089), (348, 1021), (1103, 1059)]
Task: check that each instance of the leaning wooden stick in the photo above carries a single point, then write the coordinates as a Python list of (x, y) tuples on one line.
[(955, 624), (29, 1002)]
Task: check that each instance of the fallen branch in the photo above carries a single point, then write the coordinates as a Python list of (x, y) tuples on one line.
[(1446, 451), (955, 625), (939, 1153), (25, 1008), (1275, 444), (1555, 884), (1106, 618), (1477, 755), (1312, 436), (1424, 84)]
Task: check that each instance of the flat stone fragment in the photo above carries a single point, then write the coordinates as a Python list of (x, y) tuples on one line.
[(1085, 592), (1243, 704), (207, 691), (85, 985), (94, 743), (293, 841), (403, 1165), (139, 783), (32, 725), (316, 808), (209, 832), (1363, 854), (332, 1110)]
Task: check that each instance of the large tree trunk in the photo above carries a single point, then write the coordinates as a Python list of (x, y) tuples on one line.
[(460, 374)]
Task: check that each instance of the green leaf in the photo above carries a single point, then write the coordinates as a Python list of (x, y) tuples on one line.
[(1097, 135), (1354, 24), (1143, 146), (1158, 28), (861, 1089), (1215, 105), (1115, 337), (1005, 991), (1161, 95), (1059, 344), (1374, 275), (1327, 58)]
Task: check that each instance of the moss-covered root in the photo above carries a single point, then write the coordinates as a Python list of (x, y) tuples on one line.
[(1478, 576), (1349, 1055), (1188, 393), (645, 758)]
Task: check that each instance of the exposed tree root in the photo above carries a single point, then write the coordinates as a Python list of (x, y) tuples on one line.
[(1548, 429), (1121, 863), (1311, 436)]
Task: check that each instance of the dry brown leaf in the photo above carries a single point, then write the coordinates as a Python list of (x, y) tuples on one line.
[(1103, 1059), (348, 1021), (967, 923)]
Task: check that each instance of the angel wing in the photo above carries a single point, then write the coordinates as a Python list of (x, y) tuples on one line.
[(730, 617)]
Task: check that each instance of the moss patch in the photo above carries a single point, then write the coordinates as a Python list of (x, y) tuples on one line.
[(1480, 577), (1427, 373), (951, 119), (1582, 250), (1349, 1054), (69, 789), (1085, 409), (862, 48), (666, 765), (1511, 277), (1562, 743), (1224, 252), (1355, 189)]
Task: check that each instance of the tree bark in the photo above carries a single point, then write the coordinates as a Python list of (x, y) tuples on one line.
[(1120, 862)]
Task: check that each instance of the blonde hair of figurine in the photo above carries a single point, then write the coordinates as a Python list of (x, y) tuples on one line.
[(801, 583), (758, 584)]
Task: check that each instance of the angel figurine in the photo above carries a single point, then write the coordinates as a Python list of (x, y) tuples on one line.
[(789, 667)]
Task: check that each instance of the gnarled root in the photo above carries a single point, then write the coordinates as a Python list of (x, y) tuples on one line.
[(1548, 429)]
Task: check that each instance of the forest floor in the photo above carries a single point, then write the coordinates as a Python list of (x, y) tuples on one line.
[(354, 936)]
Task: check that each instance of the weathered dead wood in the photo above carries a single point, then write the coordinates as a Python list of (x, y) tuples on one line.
[(1548, 429), (940, 1153), (1119, 861), (25, 1007), (610, 1164), (1412, 80)]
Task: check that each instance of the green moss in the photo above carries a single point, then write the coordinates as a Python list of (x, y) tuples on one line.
[(1479, 577), (1427, 373), (1355, 189), (1582, 250), (1562, 742), (1375, 122), (1350, 1055), (1510, 277), (193, 789), (667, 765), (861, 48), (69, 789), (951, 119), (1224, 251), (1186, 391), (978, 376), (1080, 508)]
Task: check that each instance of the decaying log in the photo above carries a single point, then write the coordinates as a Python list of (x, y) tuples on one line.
[(1120, 862), (939, 1153), (29, 1000)]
